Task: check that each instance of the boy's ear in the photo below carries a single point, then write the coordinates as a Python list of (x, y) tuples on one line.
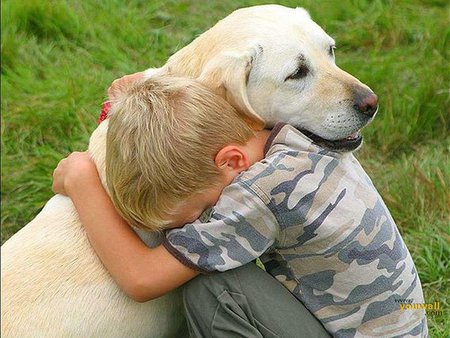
[(232, 158)]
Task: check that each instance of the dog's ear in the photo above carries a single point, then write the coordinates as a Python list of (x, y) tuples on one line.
[(227, 75)]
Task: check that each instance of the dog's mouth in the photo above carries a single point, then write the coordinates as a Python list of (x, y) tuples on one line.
[(349, 143)]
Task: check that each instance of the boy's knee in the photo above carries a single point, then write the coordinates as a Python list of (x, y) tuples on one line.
[(194, 289), (197, 291), (206, 288)]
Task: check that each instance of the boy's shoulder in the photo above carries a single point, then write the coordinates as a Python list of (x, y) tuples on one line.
[(290, 155), (298, 177)]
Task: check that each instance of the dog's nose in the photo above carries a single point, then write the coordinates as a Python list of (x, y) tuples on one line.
[(366, 103)]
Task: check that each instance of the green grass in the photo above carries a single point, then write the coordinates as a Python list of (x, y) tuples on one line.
[(58, 58)]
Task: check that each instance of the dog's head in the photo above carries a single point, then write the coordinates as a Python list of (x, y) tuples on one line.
[(275, 64)]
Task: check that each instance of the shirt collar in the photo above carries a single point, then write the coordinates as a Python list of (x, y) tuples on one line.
[(275, 130)]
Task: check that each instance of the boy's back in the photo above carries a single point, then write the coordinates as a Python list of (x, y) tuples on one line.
[(321, 229)]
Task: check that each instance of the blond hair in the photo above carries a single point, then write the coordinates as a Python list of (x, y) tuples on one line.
[(163, 135)]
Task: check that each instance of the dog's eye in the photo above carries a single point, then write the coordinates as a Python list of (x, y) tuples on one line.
[(331, 51), (301, 72)]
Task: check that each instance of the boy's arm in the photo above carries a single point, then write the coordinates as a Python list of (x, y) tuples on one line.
[(143, 273), (240, 229)]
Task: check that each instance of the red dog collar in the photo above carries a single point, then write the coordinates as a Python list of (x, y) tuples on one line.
[(104, 113)]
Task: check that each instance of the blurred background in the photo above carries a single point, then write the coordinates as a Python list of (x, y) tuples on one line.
[(59, 57)]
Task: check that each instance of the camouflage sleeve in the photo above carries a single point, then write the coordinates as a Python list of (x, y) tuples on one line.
[(241, 229)]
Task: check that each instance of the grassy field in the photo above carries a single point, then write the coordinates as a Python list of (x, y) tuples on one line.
[(58, 58)]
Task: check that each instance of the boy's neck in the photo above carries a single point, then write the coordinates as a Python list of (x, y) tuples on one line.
[(255, 146)]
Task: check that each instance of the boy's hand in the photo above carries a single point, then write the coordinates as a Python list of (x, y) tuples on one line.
[(120, 85), (76, 171)]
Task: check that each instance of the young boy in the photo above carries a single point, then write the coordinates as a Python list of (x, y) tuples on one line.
[(312, 215)]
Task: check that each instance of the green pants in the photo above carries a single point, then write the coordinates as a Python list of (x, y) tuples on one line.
[(246, 302)]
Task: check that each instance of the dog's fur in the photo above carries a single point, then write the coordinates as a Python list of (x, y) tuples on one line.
[(53, 284)]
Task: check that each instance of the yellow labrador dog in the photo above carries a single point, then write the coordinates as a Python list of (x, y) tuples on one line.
[(272, 63)]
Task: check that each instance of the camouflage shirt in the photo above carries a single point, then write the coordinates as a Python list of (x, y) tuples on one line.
[(320, 227)]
